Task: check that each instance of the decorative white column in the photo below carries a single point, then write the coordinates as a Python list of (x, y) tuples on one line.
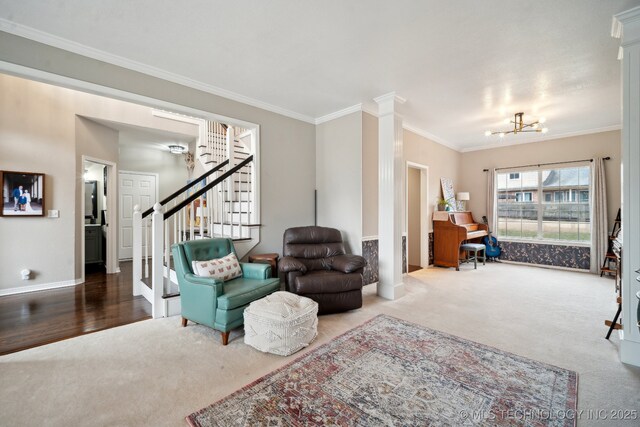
[(390, 197), (627, 26)]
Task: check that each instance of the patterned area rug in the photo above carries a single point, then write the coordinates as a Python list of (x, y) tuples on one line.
[(393, 373)]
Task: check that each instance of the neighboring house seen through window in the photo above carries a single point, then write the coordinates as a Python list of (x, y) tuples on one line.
[(545, 204)]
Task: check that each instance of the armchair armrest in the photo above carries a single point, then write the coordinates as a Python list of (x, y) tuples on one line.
[(216, 284), (289, 264), (347, 263), (256, 271)]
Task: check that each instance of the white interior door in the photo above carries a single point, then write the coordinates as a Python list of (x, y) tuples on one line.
[(135, 189)]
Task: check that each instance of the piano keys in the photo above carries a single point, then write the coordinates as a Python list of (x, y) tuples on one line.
[(450, 230)]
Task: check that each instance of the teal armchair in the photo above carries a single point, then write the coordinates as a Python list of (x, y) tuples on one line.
[(208, 301)]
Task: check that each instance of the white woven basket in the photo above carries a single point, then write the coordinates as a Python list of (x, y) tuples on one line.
[(281, 323)]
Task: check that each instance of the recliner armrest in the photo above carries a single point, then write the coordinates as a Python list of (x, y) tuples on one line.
[(255, 271), (289, 264), (347, 263)]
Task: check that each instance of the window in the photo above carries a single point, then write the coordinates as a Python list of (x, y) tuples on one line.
[(523, 197), (561, 213)]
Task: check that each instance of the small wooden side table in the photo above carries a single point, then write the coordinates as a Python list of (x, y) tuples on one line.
[(271, 259)]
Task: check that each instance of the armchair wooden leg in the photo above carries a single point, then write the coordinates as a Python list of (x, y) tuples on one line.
[(225, 338), (184, 322)]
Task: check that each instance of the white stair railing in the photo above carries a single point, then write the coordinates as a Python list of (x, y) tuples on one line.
[(169, 226)]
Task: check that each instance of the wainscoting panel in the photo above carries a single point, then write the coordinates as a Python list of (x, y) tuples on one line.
[(370, 253), (543, 254), (431, 248), (404, 254)]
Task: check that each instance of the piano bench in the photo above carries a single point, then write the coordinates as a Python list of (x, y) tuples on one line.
[(475, 248)]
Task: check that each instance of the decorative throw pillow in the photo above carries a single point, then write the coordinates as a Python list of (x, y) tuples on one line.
[(225, 268)]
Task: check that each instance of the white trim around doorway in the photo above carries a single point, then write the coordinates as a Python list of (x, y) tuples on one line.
[(425, 212), (111, 255)]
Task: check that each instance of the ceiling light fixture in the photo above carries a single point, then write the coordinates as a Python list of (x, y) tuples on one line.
[(177, 149), (520, 126)]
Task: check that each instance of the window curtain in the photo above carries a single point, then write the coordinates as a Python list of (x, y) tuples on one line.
[(599, 222), (491, 199)]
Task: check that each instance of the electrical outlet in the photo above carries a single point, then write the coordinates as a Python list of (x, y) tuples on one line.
[(54, 214)]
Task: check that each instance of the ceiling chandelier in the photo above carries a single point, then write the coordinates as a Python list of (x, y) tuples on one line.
[(520, 126), (177, 149)]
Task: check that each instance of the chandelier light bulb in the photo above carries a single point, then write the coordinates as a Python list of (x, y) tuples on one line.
[(545, 130), (501, 134), (487, 133), (542, 120)]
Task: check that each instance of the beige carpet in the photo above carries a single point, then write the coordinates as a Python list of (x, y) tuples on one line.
[(155, 372)]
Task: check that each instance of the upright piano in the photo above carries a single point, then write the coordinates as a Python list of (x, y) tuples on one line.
[(450, 230)]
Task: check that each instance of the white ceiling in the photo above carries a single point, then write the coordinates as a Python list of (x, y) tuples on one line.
[(130, 135), (463, 65)]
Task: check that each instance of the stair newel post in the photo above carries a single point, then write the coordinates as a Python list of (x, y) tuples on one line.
[(252, 220), (157, 246), (137, 249), (146, 247), (167, 255), (241, 190)]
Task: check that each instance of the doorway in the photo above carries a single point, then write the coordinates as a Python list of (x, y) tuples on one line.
[(418, 216), (97, 209)]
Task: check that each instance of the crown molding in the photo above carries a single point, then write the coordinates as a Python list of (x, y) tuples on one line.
[(337, 114), (430, 136), (391, 96), (626, 26), (80, 49), (549, 138)]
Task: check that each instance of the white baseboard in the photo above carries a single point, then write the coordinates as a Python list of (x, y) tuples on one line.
[(39, 287)]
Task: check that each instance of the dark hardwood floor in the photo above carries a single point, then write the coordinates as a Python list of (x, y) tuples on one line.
[(413, 268), (102, 302)]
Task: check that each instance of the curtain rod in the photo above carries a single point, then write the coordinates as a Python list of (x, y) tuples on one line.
[(547, 164)]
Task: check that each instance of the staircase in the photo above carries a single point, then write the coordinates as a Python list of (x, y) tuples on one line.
[(222, 202)]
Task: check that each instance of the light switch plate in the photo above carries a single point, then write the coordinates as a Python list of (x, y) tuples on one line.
[(54, 214)]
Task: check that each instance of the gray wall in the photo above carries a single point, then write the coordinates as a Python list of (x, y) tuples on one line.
[(287, 159), (339, 177), (171, 169)]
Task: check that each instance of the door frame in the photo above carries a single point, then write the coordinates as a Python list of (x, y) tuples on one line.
[(425, 213), (111, 255), (157, 176)]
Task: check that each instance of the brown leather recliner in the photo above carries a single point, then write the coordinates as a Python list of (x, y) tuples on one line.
[(316, 266)]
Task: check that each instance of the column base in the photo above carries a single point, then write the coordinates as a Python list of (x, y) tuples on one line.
[(630, 352), (391, 292)]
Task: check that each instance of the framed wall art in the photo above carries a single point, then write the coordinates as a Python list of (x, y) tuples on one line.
[(22, 194)]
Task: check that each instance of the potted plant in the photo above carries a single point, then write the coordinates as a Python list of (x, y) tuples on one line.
[(444, 205)]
